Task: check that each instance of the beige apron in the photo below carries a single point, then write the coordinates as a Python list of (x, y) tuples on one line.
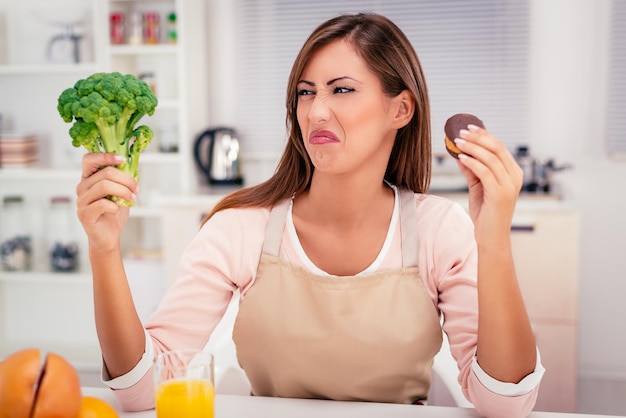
[(361, 338)]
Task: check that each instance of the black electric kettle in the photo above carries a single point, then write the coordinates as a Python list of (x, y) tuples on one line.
[(216, 152)]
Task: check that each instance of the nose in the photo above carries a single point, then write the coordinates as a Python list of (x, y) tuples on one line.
[(319, 110)]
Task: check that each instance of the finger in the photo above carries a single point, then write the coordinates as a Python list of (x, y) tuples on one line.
[(111, 173), (93, 161), (479, 145), (480, 172), (489, 142), (89, 213), (107, 182), (469, 175), (103, 172), (491, 152), (106, 187), (499, 187)]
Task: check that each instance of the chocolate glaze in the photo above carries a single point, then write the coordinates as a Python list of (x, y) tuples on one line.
[(460, 121), (452, 127)]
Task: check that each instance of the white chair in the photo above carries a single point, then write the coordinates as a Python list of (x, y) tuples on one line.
[(230, 379)]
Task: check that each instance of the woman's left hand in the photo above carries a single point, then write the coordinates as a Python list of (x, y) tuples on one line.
[(494, 179)]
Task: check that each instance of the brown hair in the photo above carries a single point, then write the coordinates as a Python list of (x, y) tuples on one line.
[(390, 55)]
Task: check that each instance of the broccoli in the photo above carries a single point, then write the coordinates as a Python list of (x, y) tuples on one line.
[(105, 107)]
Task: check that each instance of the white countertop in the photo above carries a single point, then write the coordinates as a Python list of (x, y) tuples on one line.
[(233, 406), (525, 202)]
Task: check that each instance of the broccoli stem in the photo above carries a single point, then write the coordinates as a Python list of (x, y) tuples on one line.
[(116, 140)]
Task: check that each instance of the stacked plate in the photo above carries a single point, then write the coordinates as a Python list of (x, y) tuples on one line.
[(18, 150)]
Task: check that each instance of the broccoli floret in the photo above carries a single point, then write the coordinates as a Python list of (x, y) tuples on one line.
[(105, 107)]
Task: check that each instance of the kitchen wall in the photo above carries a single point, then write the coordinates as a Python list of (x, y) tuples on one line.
[(569, 107), (569, 68), (569, 58)]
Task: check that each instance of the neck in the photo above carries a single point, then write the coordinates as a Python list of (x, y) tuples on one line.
[(348, 202)]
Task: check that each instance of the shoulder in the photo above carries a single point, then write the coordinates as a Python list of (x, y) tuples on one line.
[(240, 216), (236, 225), (444, 226), (228, 243), (432, 207)]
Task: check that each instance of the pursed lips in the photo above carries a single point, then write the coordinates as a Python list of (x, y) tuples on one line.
[(322, 137)]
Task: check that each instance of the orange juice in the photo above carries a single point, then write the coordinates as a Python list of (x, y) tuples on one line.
[(180, 398)]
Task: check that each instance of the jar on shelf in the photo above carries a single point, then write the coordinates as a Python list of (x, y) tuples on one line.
[(149, 78), (135, 29), (61, 237), (172, 34), (117, 32), (16, 251), (168, 138), (151, 30)]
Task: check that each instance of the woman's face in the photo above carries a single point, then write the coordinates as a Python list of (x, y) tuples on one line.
[(347, 122)]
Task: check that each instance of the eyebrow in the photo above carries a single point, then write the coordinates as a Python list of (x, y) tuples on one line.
[(334, 80)]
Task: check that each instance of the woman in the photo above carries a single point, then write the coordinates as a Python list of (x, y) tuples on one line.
[(344, 263)]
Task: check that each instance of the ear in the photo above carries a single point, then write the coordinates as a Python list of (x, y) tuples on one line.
[(404, 106)]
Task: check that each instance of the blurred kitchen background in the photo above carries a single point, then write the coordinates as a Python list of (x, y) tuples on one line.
[(548, 77)]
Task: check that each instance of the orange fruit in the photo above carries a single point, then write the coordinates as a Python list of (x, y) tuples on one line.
[(96, 408), (30, 389), (18, 376)]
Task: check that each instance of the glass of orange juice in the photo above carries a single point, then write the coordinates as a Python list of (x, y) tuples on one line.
[(184, 384)]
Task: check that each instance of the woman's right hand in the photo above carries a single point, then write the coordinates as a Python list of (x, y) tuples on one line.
[(102, 219)]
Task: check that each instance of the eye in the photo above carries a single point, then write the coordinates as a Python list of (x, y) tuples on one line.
[(305, 92), (343, 90)]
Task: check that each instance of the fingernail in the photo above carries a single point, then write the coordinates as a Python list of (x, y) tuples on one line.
[(463, 132), (459, 141), (119, 158), (473, 128), (133, 197), (462, 156)]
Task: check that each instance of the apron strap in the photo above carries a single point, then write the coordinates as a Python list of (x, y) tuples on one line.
[(275, 227), (408, 226)]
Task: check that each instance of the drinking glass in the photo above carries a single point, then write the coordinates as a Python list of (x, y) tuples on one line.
[(184, 384)]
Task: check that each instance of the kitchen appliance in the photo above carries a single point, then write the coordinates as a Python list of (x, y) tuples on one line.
[(65, 47), (216, 152), (538, 173)]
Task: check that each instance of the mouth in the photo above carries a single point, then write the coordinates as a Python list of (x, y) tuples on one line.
[(322, 137)]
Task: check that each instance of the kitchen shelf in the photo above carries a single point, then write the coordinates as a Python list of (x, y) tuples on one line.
[(160, 157), (55, 174), (168, 104), (47, 69), (54, 311), (156, 49), (45, 277), (38, 173), (144, 211)]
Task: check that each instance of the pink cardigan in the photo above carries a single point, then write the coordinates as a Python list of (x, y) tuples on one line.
[(224, 255)]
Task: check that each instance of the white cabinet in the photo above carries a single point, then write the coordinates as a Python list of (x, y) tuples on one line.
[(546, 247), (161, 64), (31, 85), (54, 311)]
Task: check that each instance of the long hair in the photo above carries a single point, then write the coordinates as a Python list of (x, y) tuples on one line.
[(388, 54)]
